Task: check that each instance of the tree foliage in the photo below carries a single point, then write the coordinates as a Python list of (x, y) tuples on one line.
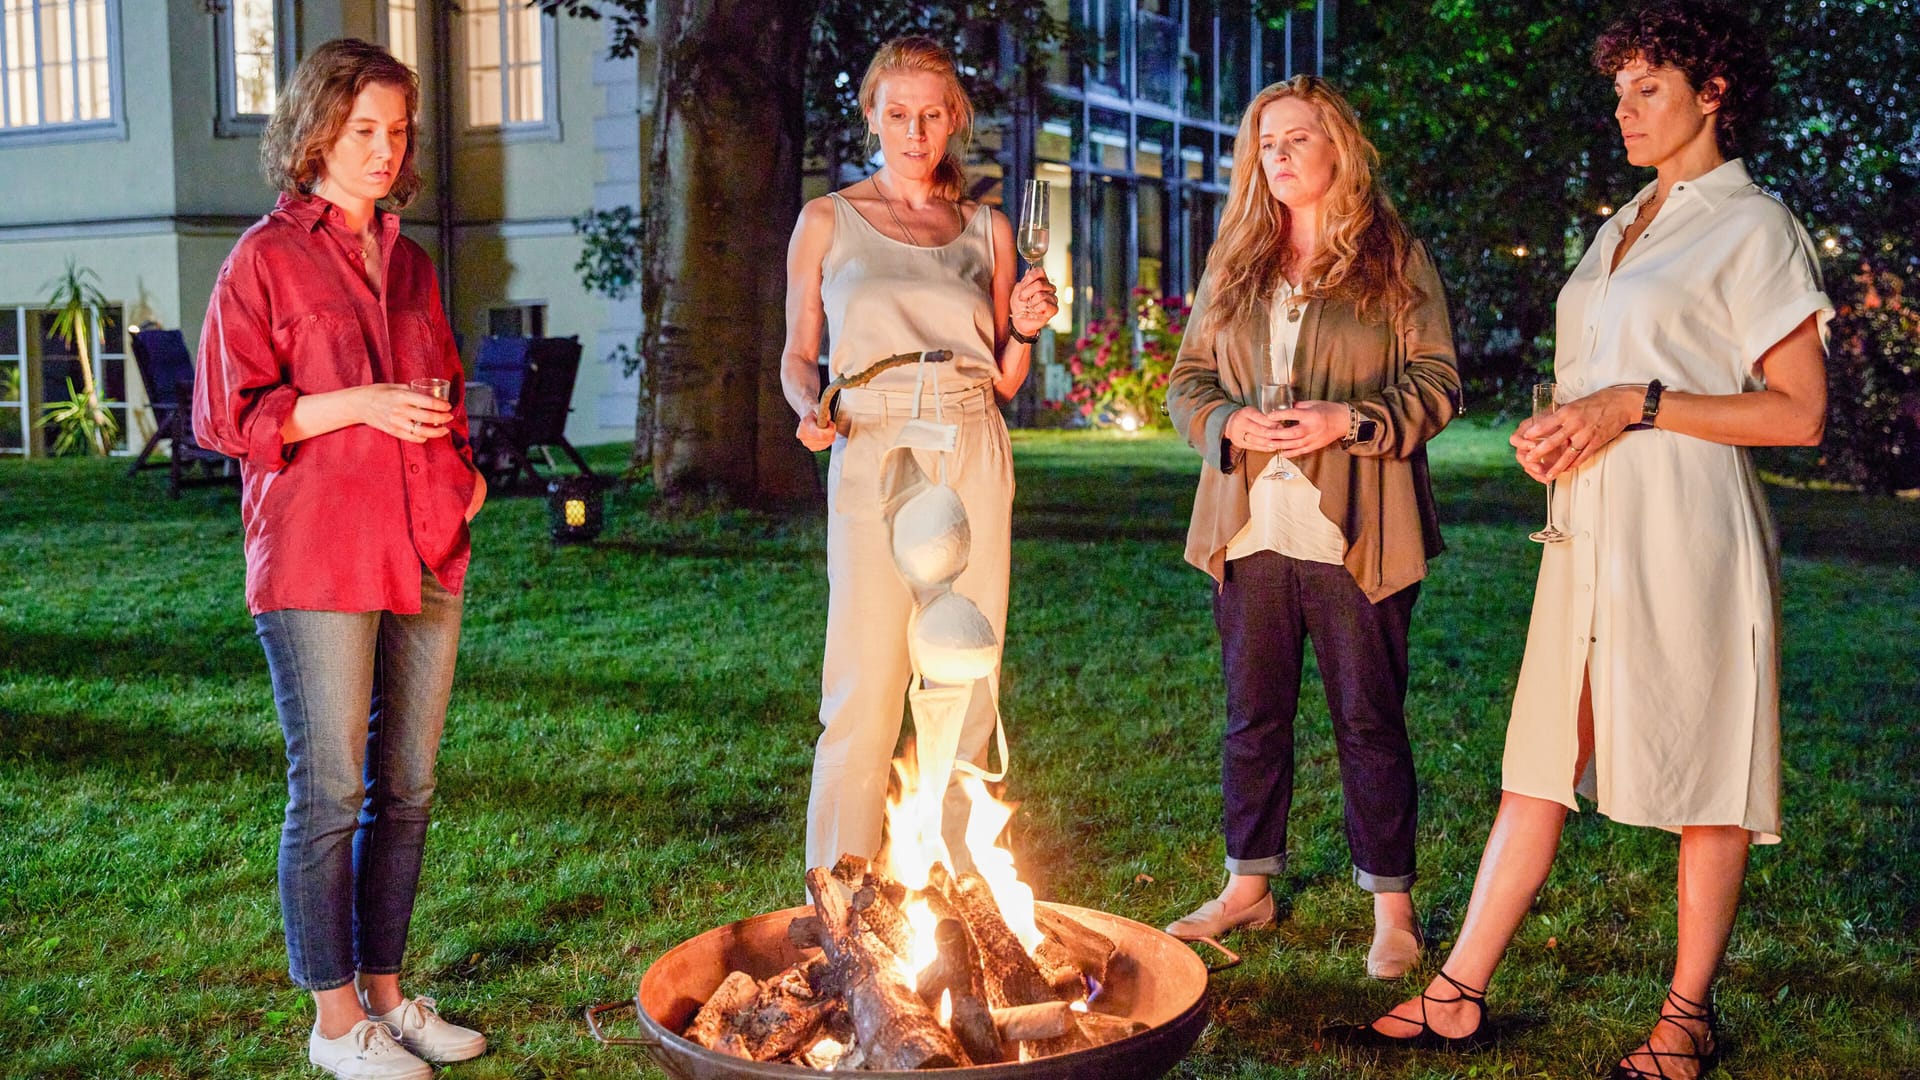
[(1497, 138)]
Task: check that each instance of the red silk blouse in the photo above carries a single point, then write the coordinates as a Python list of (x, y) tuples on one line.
[(342, 521)]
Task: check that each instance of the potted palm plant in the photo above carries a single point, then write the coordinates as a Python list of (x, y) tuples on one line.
[(83, 420)]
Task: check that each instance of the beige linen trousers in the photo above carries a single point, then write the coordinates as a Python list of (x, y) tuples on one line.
[(867, 671)]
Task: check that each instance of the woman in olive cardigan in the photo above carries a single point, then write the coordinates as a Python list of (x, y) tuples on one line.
[(1315, 282)]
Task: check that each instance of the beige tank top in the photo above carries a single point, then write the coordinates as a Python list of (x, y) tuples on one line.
[(885, 296)]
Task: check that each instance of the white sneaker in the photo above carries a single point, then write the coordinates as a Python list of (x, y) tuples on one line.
[(421, 1030), (366, 1052)]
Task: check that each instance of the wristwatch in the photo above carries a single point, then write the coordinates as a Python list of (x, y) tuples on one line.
[(1024, 339), (1650, 408)]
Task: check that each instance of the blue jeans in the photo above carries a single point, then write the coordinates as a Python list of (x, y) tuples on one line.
[(362, 698), (1266, 611)]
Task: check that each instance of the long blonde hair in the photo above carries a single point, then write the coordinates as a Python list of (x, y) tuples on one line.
[(314, 108), (1364, 247), (925, 54)]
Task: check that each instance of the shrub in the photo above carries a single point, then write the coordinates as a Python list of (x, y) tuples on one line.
[(1873, 386), (1115, 385)]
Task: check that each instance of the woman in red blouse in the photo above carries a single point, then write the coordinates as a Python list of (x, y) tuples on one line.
[(356, 494)]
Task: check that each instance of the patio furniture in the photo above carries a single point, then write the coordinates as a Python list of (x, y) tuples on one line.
[(166, 367), (532, 380)]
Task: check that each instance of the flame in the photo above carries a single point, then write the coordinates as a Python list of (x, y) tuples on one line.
[(915, 844), (946, 1008)]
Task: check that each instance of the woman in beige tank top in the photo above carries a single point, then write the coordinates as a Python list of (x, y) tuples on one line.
[(900, 263)]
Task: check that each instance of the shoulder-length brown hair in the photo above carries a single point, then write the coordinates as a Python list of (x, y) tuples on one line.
[(925, 54), (318, 100), (1364, 247)]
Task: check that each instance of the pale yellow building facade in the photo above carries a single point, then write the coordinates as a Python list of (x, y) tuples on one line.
[(129, 144)]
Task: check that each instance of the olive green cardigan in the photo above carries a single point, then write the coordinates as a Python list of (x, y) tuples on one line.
[(1400, 373)]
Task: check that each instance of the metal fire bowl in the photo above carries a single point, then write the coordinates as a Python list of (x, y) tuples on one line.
[(1153, 978)]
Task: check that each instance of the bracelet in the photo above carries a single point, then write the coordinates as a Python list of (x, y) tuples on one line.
[(1353, 425), (1015, 333)]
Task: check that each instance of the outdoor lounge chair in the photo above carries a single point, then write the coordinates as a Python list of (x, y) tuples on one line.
[(532, 380), (166, 367)]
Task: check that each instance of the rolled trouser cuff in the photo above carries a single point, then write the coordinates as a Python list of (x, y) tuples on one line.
[(1377, 883), (1267, 867)]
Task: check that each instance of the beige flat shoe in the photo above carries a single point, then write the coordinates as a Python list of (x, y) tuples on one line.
[(1394, 953), (1212, 919)]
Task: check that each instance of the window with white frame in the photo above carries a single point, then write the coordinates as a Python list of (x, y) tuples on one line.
[(509, 65), (254, 51), (403, 31), (59, 66)]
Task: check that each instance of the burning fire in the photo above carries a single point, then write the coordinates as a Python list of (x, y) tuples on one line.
[(915, 844)]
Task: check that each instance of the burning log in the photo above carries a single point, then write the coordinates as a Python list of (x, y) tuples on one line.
[(1086, 948), (787, 1010), (894, 1028), (1031, 1023), (715, 1018), (1101, 1029), (972, 1023), (1059, 970), (1012, 978)]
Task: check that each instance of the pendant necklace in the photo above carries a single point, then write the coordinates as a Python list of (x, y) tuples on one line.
[(901, 225)]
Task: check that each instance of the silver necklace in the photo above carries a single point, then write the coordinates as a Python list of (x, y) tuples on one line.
[(911, 239)]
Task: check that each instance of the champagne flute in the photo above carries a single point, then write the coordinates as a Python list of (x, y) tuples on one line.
[(1543, 405), (1276, 394), (1032, 237)]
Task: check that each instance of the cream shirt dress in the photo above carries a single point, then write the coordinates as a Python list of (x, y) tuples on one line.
[(1668, 594)]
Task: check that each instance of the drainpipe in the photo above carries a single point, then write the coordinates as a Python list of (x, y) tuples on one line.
[(443, 146)]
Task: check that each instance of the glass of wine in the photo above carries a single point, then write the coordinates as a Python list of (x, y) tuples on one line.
[(1276, 394), (1543, 405), (1032, 237)]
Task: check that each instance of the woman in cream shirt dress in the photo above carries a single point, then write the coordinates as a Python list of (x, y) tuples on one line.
[(1693, 327)]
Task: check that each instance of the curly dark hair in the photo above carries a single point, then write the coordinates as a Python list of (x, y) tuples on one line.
[(1703, 39)]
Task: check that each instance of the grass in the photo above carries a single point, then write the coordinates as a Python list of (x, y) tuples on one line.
[(627, 761)]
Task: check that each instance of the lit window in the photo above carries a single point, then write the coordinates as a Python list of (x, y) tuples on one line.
[(403, 31), (509, 73), (253, 81), (254, 53), (57, 64)]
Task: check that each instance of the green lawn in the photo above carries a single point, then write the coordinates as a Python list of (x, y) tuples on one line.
[(627, 763)]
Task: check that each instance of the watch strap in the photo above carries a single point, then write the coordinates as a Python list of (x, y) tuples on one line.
[(1015, 333)]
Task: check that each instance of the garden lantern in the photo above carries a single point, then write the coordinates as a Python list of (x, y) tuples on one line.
[(576, 509)]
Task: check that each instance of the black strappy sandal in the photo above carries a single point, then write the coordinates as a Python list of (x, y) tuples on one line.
[(1366, 1035), (1704, 1060)]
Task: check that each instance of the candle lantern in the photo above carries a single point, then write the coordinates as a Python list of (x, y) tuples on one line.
[(576, 509)]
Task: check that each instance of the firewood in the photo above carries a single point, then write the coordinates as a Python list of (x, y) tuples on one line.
[(1031, 1023), (1058, 969), (1087, 948), (891, 1024), (732, 1045), (785, 1011), (715, 1018), (972, 1023), (805, 932), (954, 969), (1011, 976), (891, 888), (883, 917), (851, 870), (1101, 1029)]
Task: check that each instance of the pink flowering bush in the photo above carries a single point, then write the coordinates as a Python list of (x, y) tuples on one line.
[(1114, 386)]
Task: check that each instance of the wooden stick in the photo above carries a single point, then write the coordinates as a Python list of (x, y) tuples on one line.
[(1029, 1023), (715, 1018), (823, 415), (893, 1027)]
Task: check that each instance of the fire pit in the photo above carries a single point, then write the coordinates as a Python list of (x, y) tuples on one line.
[(1153, 979)]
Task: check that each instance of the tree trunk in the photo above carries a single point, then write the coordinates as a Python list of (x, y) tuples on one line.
[(723, 189)]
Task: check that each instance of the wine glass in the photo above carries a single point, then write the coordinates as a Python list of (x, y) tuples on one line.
[(1275, 394), (1543, 406), (1032, 237)]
